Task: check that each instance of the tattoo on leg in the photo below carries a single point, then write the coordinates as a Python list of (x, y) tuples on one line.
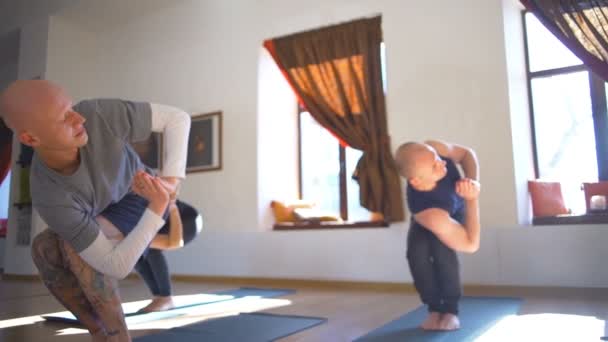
[(61, 282), (89, 295), (103, 285), (113, 333), (101, 291)]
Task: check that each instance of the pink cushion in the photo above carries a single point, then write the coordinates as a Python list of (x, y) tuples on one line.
[(597, 188), (547, 198)]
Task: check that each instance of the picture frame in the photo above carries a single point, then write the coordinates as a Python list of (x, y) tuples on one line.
[(205, 143), (150, 151)]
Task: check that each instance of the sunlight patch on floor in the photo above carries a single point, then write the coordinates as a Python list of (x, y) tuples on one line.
[(196, 314), (545, 327), (15, 322), (182, 300), (217, 303)]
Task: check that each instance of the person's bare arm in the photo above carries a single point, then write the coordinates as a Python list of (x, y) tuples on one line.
[(117, 260), (175, 238), (459, 154), (462, 238)]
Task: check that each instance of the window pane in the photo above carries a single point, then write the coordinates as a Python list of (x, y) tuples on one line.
[(320, 165), (4, 196), (355, 211), (545, 50), (565, 138)]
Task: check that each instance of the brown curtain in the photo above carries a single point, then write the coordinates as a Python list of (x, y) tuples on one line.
[(582, 25), (336, 73)]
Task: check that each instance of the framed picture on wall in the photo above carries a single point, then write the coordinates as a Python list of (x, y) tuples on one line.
[(205, 143), (151, 151)]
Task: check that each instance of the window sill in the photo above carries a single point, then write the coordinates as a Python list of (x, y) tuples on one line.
[(590, 218), (329, 225)]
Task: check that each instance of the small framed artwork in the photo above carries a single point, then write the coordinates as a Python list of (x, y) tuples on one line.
[(205, 143), (150, 151)]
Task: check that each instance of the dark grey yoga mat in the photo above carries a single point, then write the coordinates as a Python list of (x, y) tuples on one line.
[(250, 327)]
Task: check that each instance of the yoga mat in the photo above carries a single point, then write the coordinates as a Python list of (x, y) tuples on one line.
[(181, 302), (250, 327), (477, 315)]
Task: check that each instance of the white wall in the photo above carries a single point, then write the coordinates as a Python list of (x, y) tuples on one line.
[(177, 57), (14, 14), (277, 134), (525, 256), (8, 73), (446, 64), (74, 65), (205, 56), (447, 80)]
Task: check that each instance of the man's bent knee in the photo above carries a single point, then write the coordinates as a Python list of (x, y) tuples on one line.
[(45, 249)]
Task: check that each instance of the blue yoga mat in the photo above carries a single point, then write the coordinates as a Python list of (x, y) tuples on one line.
[(182, 302), (477, 315), (249, 327)]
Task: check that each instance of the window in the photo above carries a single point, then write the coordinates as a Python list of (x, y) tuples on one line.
[(4, 196), (326, 167), (568, 115)]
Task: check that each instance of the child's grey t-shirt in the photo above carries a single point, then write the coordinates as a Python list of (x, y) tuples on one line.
[(69, 204)]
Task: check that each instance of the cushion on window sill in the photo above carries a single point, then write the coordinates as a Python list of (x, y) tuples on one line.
[(591, 189), (547, 198)]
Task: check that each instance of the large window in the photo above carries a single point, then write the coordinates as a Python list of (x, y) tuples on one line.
[(568, 108), (326, 168), (325, 172)]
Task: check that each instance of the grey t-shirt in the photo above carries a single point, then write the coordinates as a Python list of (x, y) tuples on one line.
[(69, 204)]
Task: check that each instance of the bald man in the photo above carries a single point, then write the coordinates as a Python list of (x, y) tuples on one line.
[(445, 220), (86, 180)]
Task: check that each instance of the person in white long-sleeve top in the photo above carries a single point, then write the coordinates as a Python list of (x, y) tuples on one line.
[(84, 178)]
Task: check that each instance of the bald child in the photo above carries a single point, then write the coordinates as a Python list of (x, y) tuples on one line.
[(83, 176), (445, 220)]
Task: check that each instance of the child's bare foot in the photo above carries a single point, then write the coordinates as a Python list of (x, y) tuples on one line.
[(449, 321), (432, 321), (159, 304)]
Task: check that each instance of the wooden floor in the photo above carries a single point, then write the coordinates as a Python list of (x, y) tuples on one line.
[(350, 312)]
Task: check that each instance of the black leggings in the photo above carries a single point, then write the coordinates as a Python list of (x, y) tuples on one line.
[(435, 270), (152, 266)]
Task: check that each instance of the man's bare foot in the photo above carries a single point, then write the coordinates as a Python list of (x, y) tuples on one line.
[(159, 304), (432, 321), (449, 321)]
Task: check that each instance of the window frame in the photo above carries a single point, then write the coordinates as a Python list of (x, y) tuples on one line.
[(343, 196), (599, 111)]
